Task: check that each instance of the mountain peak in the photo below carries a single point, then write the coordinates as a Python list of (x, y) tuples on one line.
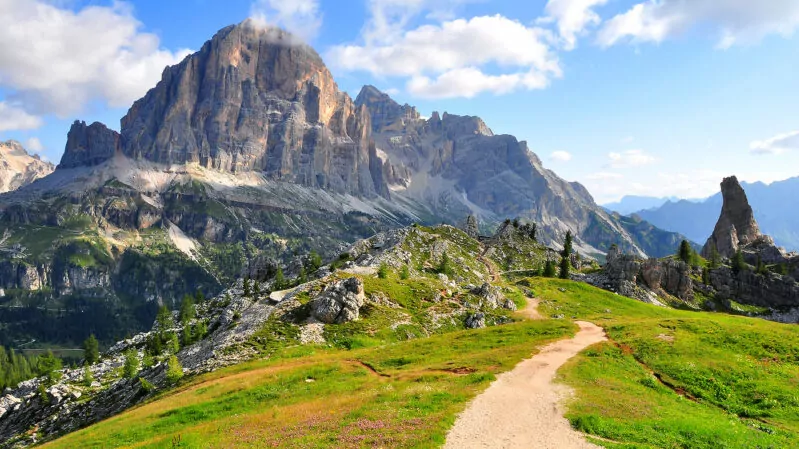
[(386, 114), (18, 167)]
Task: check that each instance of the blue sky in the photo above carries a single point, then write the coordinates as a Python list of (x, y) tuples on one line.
[(647, 97)]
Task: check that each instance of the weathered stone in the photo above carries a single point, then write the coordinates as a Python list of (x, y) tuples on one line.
[(476, 321), (736, 226), (339, 302), (19, 168), (490, 295), (89, 145)]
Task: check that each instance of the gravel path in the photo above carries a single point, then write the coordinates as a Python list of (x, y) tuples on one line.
[(521, 409)]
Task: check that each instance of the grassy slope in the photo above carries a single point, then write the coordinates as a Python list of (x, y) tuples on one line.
[(736, 377), (399, 395)]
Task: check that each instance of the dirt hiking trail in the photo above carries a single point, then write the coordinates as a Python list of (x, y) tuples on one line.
[(521, 409)]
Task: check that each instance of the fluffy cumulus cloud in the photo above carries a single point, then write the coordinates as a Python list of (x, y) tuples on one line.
[(779, 144), (60, 59), (630, 159), (450, 58), (561, 156), (303, 18), (13, 117), (735, 21), (572, 17)]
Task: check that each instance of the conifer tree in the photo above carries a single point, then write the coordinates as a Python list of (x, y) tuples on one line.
[(565, 267), (685, 252), (91, 350)]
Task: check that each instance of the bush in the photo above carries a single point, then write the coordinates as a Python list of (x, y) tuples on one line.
[(146, 385), (445, 267), (382, 272), (174, 370), (404, 273)]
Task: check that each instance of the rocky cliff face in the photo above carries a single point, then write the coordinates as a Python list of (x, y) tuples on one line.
[(18, 168), (457, 166), (254, 99), (90, 145), (736, 226)]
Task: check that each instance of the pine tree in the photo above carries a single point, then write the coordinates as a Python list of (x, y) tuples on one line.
[(91, 350), (48, 365), (303, 277), (565, 267), (686, 252), (187, 335), (131, 366), (715, 257), (738, 263), (279, 279), (164, 319), (173, 344), (705, 276), (314, 261), (549, 269), (761, 267), (256, 289), (568, 245), (174, 370), (88, 377), (247, 292), (200, 330), (187, 310), (445, 267)]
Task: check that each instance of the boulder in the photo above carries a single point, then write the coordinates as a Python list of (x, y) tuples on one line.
[(339, 302), (492, 297), (476, 321)]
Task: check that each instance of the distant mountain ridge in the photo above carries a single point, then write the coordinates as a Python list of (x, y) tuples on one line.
[(19, 168), (776, 208), (634, 203)]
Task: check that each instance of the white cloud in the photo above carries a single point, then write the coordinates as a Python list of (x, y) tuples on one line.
[(300, 17), (448, 59), (13, 118), (34, 145), (561, 156), (629, 159), (60, 60), (779, 144), (573, 17), (604, 176), (735, 21)]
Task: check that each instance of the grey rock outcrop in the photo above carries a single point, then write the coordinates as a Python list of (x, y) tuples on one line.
[(736, 226), (89, 145), (476, 321), (18, 168), (339, 302), (471, 227), (641, 279)]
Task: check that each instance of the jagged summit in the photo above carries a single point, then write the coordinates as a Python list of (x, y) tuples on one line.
[(736, 226), (18, 167), (385, 112)]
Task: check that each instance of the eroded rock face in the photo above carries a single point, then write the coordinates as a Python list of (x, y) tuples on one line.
[(736, 226), (339, 302), (255, 99), (18, 168), (89, 145), (672, 276)]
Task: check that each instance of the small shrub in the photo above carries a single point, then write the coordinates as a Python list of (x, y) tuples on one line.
[(174, 370), (382, 272), (131, 367), (88, 377), (405, 272), (146, 385), (42, 392)]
